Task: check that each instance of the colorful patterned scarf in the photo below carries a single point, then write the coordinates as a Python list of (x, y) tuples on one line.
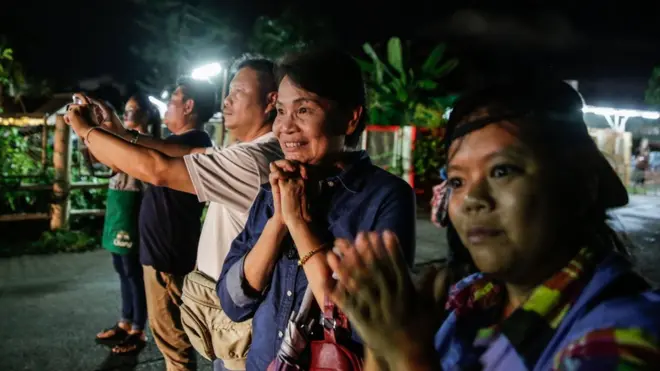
[(529, 328)]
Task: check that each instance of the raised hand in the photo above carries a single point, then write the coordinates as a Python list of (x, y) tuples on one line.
[(81, 116), (293, 201), (395, 319), (108, 118)]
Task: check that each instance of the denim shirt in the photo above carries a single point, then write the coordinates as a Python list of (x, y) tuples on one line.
[(363, 197)]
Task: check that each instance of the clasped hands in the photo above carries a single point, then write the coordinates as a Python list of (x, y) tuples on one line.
[(395, 317), (287, 180)]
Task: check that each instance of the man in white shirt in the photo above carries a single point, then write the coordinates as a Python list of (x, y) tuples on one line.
[(229, 178)]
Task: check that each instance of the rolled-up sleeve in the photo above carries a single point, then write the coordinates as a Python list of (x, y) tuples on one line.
[(238, 299), (397, 214)]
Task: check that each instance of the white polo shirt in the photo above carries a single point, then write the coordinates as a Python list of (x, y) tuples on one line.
[(230, 179)]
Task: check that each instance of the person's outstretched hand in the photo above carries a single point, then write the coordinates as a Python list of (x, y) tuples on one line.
[(81, 117), (108, 117), (395, 319)]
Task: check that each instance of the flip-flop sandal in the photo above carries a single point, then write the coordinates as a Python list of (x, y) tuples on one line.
[(112, 334), (131, 344)]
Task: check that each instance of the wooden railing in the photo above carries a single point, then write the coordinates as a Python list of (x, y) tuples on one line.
[(60, 210)]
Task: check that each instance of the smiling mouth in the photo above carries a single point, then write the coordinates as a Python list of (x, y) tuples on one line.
[(293, 145)]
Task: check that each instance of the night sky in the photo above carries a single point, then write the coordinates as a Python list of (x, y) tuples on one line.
[(611, 46)]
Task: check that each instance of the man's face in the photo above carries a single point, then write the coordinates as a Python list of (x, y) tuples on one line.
[(245, 105), (178, 110)]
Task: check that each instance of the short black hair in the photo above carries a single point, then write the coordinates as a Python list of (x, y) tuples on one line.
[(203, 93), (264, 67), (331, 74), (551, 105)]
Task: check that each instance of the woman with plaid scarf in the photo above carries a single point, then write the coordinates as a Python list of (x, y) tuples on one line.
[(529, 191)]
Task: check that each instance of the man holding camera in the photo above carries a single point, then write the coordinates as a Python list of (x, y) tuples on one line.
[(229, 178)]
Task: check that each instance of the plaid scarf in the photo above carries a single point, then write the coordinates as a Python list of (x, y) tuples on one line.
[(478, 303)]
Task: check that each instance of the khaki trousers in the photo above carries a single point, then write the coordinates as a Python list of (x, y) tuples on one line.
[(209, 329), (163, 292)]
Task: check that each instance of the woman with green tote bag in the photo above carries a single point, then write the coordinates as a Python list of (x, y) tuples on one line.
[(120, 237)]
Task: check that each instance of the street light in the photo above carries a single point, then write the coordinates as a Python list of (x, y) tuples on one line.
[(162, 107), (206, 71), (617, 118)]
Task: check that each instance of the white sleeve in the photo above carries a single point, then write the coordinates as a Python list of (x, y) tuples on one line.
[(228, 176)]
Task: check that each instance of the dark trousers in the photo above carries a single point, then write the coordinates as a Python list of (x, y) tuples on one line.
[(131, 279)]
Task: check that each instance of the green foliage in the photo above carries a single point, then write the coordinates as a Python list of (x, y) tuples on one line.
[(65, 241), (19, 151), (427, 156), (181, 36), (433, 114), (13, 82), (290, 32), (402, 92), (20, 159), (21, 156), (11, 74), (16, 154), (53, 242), (652, 94)]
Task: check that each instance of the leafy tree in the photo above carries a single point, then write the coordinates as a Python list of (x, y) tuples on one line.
[(180, 36), (402, 92), (11, 76), (13, 83), (289, 32), (652, 94)]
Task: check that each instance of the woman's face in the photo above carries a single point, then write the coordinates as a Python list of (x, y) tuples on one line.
[(304, 125), (501, 202), (134, 116)]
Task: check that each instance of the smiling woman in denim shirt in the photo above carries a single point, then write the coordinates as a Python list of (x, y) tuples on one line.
[(324, 189)]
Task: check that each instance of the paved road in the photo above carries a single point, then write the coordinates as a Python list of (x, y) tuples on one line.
[(640, 224), (51, 306)]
